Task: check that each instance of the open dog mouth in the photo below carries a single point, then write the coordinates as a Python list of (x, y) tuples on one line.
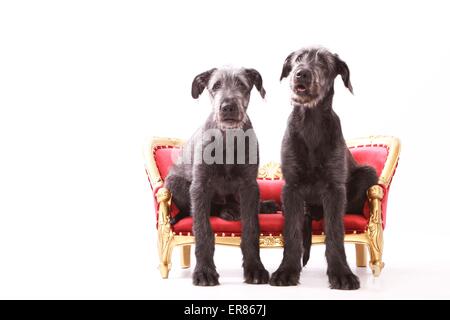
[(300, 88)]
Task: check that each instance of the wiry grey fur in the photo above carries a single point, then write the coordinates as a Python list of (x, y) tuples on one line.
[(230, 190), (322, 178)]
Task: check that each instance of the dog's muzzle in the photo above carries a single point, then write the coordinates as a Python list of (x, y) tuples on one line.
[(302, 81), (229, 111)]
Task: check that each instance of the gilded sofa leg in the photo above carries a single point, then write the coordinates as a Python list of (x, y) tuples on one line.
[(361, 255), (166, 258), (375, 229), (165, 234), (185, 256)]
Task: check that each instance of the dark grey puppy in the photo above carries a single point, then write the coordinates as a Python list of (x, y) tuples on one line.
[(322, 178), (204, 186)]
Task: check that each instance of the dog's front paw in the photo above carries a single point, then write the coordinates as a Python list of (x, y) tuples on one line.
[(285, 277), (343, 281), (205, 277), (256, 275)]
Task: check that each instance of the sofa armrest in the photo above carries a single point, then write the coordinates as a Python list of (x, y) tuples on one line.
[(154, 176), (375, 195), (392, 144)]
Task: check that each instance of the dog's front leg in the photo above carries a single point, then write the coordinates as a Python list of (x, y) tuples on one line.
[(205, 270), (254, 271), (339, 274), (288, 273)]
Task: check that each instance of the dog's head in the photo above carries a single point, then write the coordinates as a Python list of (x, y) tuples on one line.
[(229, 90), (312, 72)]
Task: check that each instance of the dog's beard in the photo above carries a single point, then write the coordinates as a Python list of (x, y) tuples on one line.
[(298, 101), (225, 125), (309, 101), (231, 125), (235, 124)]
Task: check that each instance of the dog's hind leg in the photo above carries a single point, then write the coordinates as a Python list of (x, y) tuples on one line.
[(360, 180), (230, 210), (268, 206), (254, 271), (339, 274), (179, 188)]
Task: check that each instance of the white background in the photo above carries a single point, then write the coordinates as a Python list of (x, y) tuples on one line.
[(84, 84)]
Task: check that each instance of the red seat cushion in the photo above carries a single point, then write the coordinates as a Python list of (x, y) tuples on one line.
[(269, 224)]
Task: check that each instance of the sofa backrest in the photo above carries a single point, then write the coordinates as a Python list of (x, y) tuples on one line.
[(164, 157), (374, 156)]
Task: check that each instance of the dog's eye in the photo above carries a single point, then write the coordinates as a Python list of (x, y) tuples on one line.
[(217, 86), (240, 84)]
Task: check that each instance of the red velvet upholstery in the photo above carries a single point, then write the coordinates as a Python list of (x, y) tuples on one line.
[(270, 189), (164, 158), (374, 155)]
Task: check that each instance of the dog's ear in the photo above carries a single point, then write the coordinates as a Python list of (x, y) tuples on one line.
[(344, 71), (287, 66), (200, 82), (255, 79)]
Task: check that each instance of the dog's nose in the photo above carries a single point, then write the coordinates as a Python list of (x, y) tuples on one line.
[(303, 74), (228, 108)]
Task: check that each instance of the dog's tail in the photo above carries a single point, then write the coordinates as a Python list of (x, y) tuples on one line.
[(268, 206), (307, 238)]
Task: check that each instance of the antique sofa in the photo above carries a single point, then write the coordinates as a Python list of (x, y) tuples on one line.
[(364, 229)]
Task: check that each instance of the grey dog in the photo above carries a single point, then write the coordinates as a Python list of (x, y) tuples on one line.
[(228, 189), (322, 178)]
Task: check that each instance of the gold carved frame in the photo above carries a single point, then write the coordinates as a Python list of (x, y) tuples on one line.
[(372, 238)]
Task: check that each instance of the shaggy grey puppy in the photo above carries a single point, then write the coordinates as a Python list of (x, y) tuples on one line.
[(322, 178), (217, 172)]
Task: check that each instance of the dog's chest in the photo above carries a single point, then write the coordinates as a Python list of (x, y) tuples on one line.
[(227, 179), (311, 151), (312, 142), (313, 163)]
